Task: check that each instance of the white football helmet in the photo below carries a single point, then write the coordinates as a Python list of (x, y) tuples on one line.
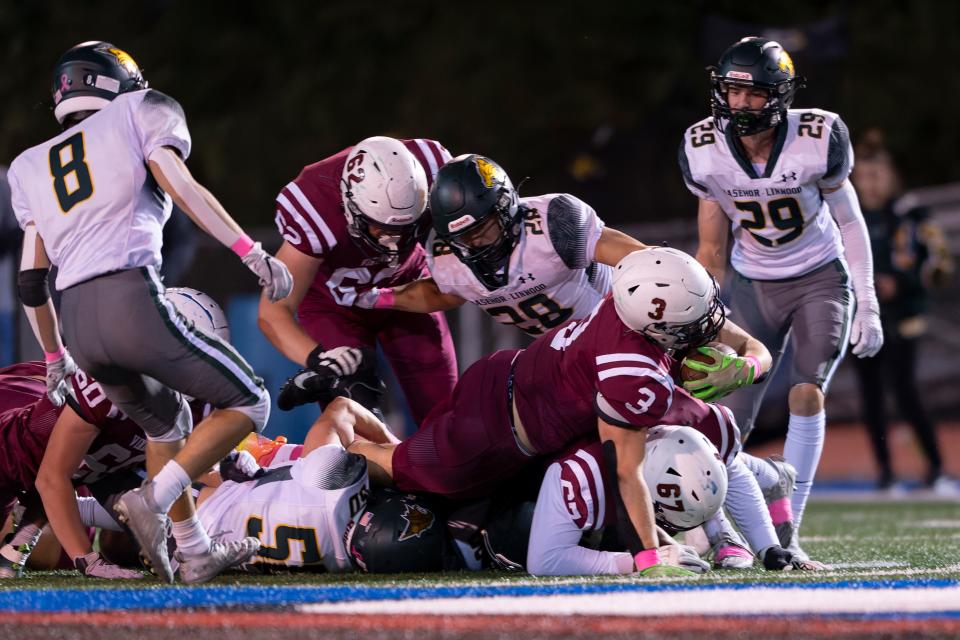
[(667, 296), (686, 478), (199, 308), (383, 184)]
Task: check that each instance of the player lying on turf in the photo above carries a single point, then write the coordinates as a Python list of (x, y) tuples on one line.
[(301, 509)]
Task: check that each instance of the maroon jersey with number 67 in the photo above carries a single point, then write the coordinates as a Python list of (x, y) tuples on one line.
[(597, 367)]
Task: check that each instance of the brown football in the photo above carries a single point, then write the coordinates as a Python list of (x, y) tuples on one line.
[(687, 374)]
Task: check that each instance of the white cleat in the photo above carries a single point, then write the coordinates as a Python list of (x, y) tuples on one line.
[(220, 557), (138, 510)]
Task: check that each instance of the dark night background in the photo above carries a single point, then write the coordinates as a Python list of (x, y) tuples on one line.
[(589, 98)]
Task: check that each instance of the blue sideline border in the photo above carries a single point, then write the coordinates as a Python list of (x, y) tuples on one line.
[(158, 598)]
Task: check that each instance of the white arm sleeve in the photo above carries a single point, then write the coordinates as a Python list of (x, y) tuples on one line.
[(555, 539), (192, 197), (845, 209), (94, 515), (746, 505)]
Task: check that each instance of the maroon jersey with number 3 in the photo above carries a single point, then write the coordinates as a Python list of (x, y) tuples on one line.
[(597, 367)]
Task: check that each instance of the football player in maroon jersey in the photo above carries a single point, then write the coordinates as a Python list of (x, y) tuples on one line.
[(352, 222), (609, 373)]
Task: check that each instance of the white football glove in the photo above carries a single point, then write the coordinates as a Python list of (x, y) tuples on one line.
[(57, 373), (866, 334), (341, 361), (367, 299), (274, 276), (683, 556)]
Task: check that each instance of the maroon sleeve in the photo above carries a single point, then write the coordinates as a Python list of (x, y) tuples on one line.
[(301, 208), (91, 401), (431, 154), (633, 391), (582, 488)]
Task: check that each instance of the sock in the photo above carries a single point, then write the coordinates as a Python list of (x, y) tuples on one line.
[(169, 484), (28, 534), (764, 472), (191, 539), (805, 435), (94, 515), (745, 503)]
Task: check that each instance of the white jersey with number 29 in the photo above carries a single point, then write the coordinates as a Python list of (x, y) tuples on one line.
[(781, 225), (90, 193)]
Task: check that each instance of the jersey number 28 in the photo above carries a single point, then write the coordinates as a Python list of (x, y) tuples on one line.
[(71, 175)]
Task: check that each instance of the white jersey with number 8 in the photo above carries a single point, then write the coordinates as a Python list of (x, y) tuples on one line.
[(90, 193)]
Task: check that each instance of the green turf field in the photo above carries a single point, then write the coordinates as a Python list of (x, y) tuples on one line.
[(872, 540)]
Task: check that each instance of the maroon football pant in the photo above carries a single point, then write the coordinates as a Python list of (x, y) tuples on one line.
[(418, 346), (465, 447)]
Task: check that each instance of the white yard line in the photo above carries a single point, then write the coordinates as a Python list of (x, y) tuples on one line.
[(753, 601)]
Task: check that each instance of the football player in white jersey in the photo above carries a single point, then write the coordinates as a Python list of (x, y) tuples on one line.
[(93, 201), (777, 179), (532, 262)]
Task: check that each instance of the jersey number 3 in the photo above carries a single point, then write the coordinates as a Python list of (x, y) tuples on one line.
[(71, 175)]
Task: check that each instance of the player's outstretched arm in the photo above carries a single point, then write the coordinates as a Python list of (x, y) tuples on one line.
[(613, 246), (204, 209), (35, 296), (712, 229), (625, 449), (419, 296), (69, 442), (277, 320)]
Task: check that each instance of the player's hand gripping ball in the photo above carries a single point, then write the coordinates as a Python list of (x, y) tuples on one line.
[(714, 370)]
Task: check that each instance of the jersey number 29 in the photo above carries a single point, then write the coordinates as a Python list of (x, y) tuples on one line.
[(71, 175)]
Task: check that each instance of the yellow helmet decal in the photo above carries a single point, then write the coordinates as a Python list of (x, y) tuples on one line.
[(125, 59), (489, 172), (786, 63)]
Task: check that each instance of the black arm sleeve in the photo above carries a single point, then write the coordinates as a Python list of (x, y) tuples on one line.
[(569, 223), (838, 154)]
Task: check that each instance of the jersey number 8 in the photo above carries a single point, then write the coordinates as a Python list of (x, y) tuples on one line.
[(71, 175)]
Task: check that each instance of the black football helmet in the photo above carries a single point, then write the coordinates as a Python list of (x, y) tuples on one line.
[(753, 62), (400, 533), (467, 192), (88, 76)]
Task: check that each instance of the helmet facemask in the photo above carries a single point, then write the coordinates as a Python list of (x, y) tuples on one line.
[(490, 263), (393, 241), (746, 122)]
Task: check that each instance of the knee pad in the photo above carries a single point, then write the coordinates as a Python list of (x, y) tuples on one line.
[(180, 429), (259, 412)]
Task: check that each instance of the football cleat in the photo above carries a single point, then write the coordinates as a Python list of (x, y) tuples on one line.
[(307, 386), (801, 561), (220, 557), (12, 559), (138, 510), (778, 498)]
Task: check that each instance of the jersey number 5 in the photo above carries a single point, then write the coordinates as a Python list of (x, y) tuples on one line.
[(71, 175)]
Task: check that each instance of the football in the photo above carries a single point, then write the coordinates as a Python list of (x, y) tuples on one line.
[(687, 374)]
